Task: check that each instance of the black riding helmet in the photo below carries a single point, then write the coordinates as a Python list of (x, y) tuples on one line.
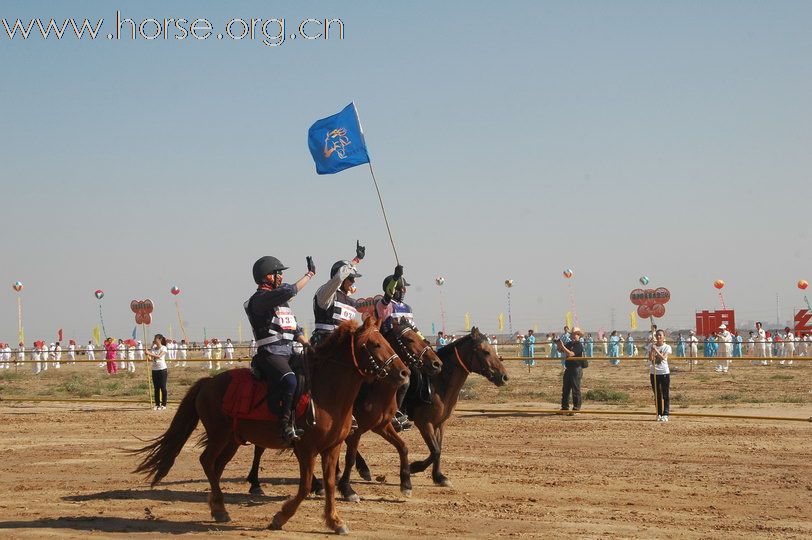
[(388, 279), (266, 265), (338, 265)]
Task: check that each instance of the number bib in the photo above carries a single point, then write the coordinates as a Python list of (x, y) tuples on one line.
[(285, 318)]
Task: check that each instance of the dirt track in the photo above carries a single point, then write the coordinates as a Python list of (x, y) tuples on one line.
[(64, 475)]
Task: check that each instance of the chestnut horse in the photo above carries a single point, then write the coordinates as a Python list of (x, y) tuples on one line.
[(374, 409), (469, 354), (337, 374)]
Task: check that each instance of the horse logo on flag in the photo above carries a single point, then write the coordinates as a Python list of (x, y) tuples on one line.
[(336, 142)]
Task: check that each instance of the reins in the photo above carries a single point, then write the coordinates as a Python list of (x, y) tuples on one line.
[(459, 361)]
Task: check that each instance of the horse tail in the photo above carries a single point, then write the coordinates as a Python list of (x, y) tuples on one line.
[(161, 453)]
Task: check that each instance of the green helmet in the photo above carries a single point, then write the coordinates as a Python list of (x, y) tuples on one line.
[(388, 281), (266, 265)]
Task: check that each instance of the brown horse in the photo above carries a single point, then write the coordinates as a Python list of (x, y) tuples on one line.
[(374, 409), (351, 355), (469, 354)]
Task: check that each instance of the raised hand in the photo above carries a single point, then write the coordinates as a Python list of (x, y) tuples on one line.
[(311, 266), (360, 250)]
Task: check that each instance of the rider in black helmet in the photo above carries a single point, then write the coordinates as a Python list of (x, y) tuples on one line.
[(332, 303), (275, 329)]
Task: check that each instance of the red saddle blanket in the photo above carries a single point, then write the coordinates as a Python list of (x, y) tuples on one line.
[(245, 398)]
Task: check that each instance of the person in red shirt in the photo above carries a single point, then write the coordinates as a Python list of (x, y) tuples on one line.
[(110, 355)]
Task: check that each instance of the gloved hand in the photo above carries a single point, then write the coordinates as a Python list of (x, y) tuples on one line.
[(311, 266), (398, 272), (360, 250)]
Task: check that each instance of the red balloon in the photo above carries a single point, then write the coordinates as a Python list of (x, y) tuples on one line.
[(803, 284), (719, 284), (175, 291)]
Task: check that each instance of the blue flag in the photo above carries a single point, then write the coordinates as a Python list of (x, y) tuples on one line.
[(135, 330), (337, 142)]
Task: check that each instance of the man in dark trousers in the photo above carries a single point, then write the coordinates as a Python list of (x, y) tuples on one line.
[(573, 350)]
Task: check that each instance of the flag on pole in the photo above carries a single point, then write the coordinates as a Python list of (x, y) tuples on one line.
[(568, 318), (22, 335), (433, 332), (633, 320), (337, 142), (135, 331), (97, 335), (59, 335), (467, 321), (501, 320)]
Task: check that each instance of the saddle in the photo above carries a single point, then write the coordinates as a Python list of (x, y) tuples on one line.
[(420, 388), (245, 398)]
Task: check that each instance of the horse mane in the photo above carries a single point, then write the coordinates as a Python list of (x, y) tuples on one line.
[(330, 348)]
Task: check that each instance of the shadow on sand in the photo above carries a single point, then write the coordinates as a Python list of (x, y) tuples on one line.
[(118, 525)]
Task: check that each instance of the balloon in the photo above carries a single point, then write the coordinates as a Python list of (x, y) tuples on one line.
[(508, 283), (439, 280), (802, 284), (568, 273), (175, 291), (99, 294), (17, 286), (719, 284), (644, 280)]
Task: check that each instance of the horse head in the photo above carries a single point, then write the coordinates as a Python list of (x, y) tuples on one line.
[(373, 357), (413, 347), (481, 358)]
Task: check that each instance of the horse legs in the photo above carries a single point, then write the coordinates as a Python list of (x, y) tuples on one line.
[(216, 444), (329, 461), (427, 432), (362, 467), (306, 464), (219, 466), (388, 432), (253, 476), (438, 477), (344, 485)]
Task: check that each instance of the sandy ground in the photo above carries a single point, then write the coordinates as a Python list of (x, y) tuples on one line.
[(64, 474)]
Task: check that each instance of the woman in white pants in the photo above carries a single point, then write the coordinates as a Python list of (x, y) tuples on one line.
[(789, 345), (131, 358)]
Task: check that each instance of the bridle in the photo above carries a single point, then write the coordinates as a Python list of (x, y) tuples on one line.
[(380, 370), (412, 360)]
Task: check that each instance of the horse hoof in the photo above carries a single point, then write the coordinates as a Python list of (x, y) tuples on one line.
[(406, 493), (275, 525), (366, 475), (343, 529), (256, 490), (352, 497), (319, 492), (444, 482), (221, 517)]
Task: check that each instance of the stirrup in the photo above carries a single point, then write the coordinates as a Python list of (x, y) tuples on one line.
[(291, 434), (402, 423)]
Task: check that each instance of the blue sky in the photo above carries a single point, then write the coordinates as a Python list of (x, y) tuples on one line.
[(511, 140)]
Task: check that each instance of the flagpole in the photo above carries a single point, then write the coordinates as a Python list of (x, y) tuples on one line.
[(383, 209)]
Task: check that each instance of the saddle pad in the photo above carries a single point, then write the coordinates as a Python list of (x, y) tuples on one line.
[(245, 398)]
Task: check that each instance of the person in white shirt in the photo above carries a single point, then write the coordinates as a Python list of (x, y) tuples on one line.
[(121, 354), (36, 355), (693, 347), (760, 341), (56, 354), (659, 374), (768, 346), (217, 352), (207, 352), (72, 351), (131, 357), (183, 351), (789, 345), (139, 350), (725, 342), (229, 351), (807, 345), (21, 353), (158, 355), (5, 357)]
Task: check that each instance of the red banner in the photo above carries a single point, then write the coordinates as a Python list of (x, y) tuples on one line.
[(708, 322), (366, 306), (802, 323), (650, 302)]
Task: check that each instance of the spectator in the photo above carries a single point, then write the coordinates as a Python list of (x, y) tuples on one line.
[(614, 348), (529, 349), (573, 351), (110, 349), (693, 347), (159, 371), (441, 342), (659, 374)]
